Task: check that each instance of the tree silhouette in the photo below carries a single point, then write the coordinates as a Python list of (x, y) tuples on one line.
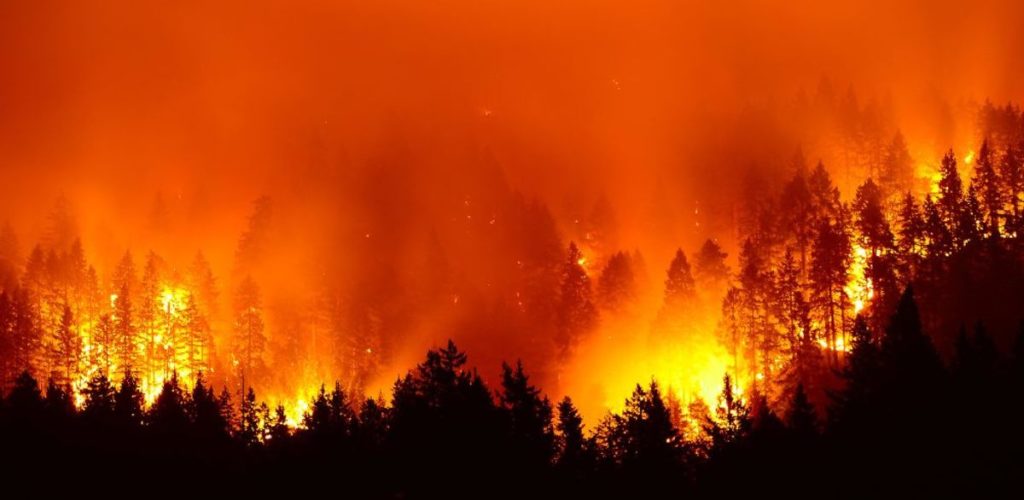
[(987, 181), (801, 418), (710, 268), (616, 287), (168, 416), (128, 402), (530, 417), (573, 453), (249, 340), (732, 417), (205, 412), (66, 347), (576, 312), (99, 399)]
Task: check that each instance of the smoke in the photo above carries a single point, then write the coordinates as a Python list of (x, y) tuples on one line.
[(403, 140)]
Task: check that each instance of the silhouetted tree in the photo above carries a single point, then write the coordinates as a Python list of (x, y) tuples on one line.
[(25, 402), (66, 347), (249, 420), (573, 454), (938, 238), (249, 340), (801, 418), (576, 312), (58, 404), (990, 192), (798, 216), (732, 417), (530, 415), (1011, 175), (911, 234), (679, 283), (128, 402), (99, 398), (828, 276), (125, 335), (710, 269), (951, 192), (897, 173), (205, 412), (616, 287), (168, 415)]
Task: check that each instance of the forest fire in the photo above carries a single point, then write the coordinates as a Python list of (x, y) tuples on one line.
[(592, 249)]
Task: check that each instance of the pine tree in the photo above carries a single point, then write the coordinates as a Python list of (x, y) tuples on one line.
[(66, 347), (203, 284), (7, 339), (908, 356), (128, 402), (789, 306), (644, 435), (249, 428), (572, 442), (249, 340), (801, 418), (798, 215), (196, 337), (576, 312), (58, 403), (616, 287), (679, 283), (862, 375), (938, 238), (829, 274), (971, 223), (911, 237), (824, 195), (25, 401), (147, 317), (227, 410), (374, 424), (710, 269), (873, 229), (1011, 173), (99, 398), (530, 416), (169, 415), (951, 192), (253, 242), (318, 419), (732, 417), (27, 333), (126, 343), (104, 344), (342, 417), (205, 412), (279, 432), (897, 173), (990, 190)]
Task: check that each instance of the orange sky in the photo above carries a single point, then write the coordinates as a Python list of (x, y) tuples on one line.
[(353, 116)]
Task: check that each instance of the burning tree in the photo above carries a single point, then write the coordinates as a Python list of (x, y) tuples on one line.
[(249, 340)]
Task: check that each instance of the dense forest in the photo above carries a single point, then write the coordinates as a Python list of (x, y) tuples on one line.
[(872, 343)]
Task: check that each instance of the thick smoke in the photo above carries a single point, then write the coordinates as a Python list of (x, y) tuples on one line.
[(424, 163)]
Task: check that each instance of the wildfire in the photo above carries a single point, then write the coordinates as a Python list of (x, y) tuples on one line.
[(859, 288)]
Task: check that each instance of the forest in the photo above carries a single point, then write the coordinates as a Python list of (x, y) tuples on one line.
[(844, 325), (512, 249)]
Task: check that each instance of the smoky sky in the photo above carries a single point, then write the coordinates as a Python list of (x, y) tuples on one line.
[(206, 107), (381, 130)]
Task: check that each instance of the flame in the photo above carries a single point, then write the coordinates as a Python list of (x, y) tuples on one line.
[(859, 288)]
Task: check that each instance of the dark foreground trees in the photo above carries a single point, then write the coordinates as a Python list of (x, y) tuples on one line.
[(904, 422)]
